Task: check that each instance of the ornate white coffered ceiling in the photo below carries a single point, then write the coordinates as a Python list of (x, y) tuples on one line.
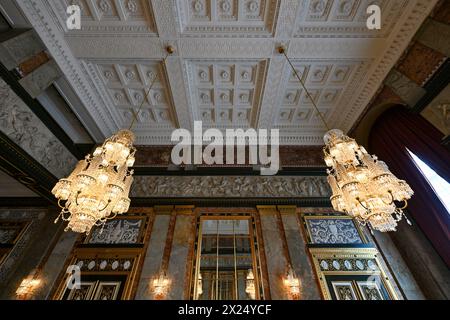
[(226, 70)]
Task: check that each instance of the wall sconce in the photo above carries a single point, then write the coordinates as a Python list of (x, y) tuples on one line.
[(199, 285), (161, 286), (27, 287), (445, 109), (292, 283), (250, 285)]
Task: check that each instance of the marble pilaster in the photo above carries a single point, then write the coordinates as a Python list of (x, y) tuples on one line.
[(54, 265), (153, 257), (396, 264), (276, 260), (182, 244), (309, 289)]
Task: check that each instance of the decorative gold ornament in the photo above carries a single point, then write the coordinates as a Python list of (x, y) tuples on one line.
[(98, 188), (362, 186)]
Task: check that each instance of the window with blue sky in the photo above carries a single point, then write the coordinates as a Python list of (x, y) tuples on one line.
[(440, 185)]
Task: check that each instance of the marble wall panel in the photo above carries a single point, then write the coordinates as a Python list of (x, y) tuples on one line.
[(182, 242), (275, 259), (153, 257), (301, 264)]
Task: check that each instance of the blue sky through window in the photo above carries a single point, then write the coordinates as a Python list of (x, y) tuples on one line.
[(440, 185)]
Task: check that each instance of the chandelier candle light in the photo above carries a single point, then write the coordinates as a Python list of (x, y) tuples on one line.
[(97, 190), (362, 186)]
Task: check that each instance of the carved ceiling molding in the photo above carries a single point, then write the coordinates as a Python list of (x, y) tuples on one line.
[(227, 17), (44, 23), (398, 41), (230, 186), (132, 16), (339, 41), (118, 47), (345, 15)]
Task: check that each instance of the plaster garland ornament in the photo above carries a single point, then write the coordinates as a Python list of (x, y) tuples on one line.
[(362, 186), (97, 189)]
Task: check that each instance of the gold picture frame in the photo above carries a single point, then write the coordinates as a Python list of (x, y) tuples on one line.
[(351, 254)]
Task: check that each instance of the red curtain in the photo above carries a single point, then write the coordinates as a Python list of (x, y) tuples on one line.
[(393, 132)]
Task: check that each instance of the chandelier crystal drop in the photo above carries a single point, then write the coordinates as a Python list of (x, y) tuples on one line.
[(362, 186), (97, 189)]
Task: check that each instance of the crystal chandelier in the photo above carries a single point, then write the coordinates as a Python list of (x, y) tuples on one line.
[(98, 188), (362, 186)]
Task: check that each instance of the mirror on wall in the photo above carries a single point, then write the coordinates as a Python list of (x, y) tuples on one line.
[(227, 266)]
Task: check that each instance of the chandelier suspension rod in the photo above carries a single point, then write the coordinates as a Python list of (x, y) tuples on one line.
[(169, 50), (282, 50)]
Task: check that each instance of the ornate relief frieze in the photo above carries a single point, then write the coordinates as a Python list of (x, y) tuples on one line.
[(323, 230), (229, 186), (23, 127)]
